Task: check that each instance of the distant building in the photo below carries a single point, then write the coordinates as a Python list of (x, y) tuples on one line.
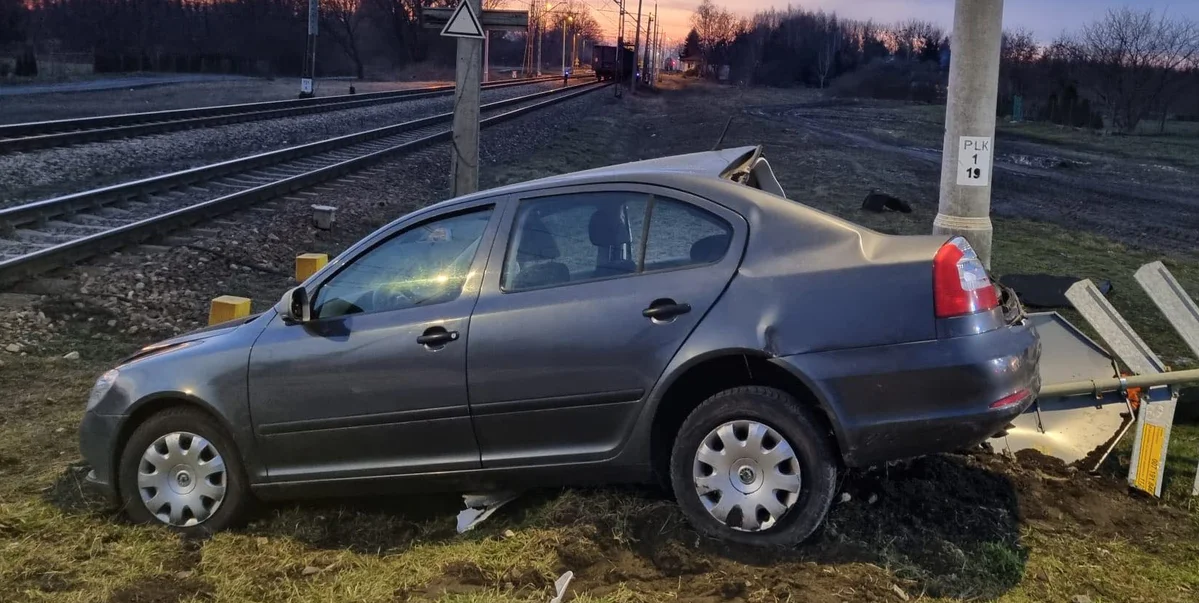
[(688, 63)]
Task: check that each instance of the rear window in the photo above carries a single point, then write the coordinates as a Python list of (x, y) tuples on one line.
[(580, 237)]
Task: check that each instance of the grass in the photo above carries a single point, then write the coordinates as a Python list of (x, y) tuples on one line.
[(1178, 146), (942, 529)]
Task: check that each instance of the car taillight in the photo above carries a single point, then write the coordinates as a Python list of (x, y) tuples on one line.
[(960, 281)]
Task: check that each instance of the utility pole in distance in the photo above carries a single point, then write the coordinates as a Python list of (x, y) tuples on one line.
[(636, 45), (308, 74), (966, 161)]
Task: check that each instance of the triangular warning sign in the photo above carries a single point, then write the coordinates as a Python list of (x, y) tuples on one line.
[(463, 23)]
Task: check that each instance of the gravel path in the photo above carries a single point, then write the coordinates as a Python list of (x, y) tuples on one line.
[(50, 172), (143, 294)]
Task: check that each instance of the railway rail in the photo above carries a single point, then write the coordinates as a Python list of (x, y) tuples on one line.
[(43, 235), (64, 132)]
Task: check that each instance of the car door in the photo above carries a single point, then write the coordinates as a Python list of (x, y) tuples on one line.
[(597, 289), (375, 382)]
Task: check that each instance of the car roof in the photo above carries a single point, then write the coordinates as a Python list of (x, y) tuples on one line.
[(707, 164)]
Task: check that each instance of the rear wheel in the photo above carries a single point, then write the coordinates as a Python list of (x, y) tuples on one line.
[(753, 466), (180, 469)]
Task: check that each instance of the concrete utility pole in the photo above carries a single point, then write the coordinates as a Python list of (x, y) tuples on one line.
[(308, 74), (486, 54), (649, 36), (619, 51), (464, 158), (540, 37), (965, 203), (636, 45)]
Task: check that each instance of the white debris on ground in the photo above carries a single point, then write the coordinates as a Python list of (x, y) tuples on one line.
[(480, 506)]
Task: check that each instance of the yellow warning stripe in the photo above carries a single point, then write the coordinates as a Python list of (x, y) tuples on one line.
[(1152, 439)]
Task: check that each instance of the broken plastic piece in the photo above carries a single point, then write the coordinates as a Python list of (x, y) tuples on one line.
[(560, 585), (480, 506)]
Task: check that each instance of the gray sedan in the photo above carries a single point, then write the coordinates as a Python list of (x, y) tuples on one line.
[(674, 321)]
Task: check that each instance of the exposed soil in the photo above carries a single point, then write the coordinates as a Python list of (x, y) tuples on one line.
[(164, 590)]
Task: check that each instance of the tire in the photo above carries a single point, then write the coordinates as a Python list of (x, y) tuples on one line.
[(813, 462), (193, 457)]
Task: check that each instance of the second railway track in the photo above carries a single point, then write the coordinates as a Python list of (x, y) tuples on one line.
[(39, 236), (64, 132)]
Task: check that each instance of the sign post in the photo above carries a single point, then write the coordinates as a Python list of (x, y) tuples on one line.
[(464, 151), (308, 75), (464, 22)]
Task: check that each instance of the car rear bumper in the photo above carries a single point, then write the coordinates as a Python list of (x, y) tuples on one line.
[(97, 435), (900, 401)]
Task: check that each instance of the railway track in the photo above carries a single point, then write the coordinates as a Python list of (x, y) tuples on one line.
[(43, 235), (63, 132)]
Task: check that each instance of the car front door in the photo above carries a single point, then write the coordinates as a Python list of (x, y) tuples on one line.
[(375, 382), (597, 290)]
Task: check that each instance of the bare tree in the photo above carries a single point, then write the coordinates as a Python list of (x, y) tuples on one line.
[(1131, 61), (829, 49), (343, 20)]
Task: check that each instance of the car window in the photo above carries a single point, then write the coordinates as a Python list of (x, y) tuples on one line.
[(573, 238), (587, 236), (681, 234), (424, 265)]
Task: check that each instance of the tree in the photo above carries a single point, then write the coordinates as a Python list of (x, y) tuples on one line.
[(1131, 61), (12, 21), (343, 20), (691, 46)]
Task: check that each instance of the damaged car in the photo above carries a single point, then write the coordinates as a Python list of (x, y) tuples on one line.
[(675, 321)]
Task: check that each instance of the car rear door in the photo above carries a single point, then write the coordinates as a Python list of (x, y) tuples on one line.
[(583, 304)]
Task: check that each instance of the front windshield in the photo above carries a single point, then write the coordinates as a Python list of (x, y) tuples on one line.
[(425, 264)]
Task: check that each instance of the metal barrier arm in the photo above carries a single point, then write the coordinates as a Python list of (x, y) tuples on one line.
[(1097, 386)]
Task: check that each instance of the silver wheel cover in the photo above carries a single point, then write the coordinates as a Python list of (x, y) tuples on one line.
[(181, 479), (747, 475)]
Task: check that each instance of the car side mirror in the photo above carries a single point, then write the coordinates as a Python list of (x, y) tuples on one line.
[(294, 306)]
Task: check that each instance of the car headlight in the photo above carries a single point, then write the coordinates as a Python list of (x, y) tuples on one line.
[(103, 384)]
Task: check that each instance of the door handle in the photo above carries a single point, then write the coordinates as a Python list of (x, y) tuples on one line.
[(434, 336), (665, 309)]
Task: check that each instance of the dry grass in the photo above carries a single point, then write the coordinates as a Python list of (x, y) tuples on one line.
[(947, 528)]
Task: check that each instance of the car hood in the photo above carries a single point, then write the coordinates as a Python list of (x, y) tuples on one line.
[(208, 332)]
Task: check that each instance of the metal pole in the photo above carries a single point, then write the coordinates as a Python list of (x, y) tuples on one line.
[(308, 72), (1073, 388), (619, 52), (636, 45), (486, 54), (965, 202), (540, 37), (564, 26), (649, 27), (464, 149)]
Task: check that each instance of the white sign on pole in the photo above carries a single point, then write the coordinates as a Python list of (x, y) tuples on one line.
[(306, 85), (974, 160), (464, 23)]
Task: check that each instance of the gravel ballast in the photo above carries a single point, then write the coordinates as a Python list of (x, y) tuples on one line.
[(143, 294), (51, 172)]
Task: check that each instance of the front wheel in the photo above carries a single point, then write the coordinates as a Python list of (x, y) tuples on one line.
[(180, 469), (751, 465)]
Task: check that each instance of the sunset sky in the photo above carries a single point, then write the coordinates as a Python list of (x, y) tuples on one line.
[(1046, 18)]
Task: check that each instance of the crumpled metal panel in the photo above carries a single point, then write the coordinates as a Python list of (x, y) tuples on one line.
[(1067, 427)]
